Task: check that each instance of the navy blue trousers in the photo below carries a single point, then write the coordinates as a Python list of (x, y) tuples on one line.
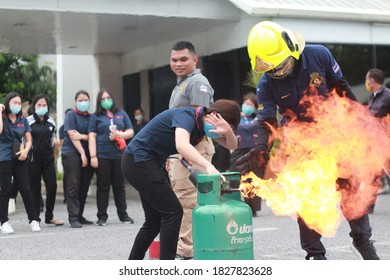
[(163, 211)]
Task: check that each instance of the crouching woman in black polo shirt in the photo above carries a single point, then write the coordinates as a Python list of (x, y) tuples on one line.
[(173, 131)]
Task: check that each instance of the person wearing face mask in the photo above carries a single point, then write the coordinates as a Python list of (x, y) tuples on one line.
[(179, 131), (14, 126), (247, 133), (76, 158), (291, 71), (378, 104), (140, 120), (108, 129), (41, 159)]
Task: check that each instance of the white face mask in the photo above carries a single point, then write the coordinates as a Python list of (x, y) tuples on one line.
[(15, 109), (139, 118)]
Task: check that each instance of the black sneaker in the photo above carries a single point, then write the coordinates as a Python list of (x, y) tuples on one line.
[(365, 251), (127, 220), (315, 258), (101, 222), (182, 258), (75, 224), (84, 221)]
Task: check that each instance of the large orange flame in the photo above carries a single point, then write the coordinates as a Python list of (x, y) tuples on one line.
[(343, 141)]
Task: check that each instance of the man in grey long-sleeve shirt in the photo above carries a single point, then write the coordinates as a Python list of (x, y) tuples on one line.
[(192, 89)]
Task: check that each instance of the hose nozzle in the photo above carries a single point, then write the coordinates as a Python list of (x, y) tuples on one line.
[(193, 172)]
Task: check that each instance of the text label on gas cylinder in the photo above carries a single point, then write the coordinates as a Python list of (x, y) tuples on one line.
[(232, 228)]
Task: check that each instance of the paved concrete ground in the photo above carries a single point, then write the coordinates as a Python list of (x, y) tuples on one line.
[(275, 238)]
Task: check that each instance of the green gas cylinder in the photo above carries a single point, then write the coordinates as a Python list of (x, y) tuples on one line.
[(222, 222)]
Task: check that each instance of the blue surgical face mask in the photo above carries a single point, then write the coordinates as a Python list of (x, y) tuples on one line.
[(139, 118), (82, 106), (247, 110), (41, 111), (207, 128), (15, 109)]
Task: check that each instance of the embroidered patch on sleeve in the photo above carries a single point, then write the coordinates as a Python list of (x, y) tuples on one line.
[(203, 88), (336, 68)]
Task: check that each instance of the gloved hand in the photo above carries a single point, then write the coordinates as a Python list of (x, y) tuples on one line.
[(255, 158)]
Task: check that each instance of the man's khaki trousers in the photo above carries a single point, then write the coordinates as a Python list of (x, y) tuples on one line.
[(186, 192)]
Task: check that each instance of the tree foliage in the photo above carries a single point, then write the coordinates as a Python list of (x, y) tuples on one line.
[(252, 79), (21, 73)]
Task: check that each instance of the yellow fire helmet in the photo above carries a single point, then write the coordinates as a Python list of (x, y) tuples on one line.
[(269, 45)]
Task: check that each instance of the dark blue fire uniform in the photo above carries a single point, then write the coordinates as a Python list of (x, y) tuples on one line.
[(315, 71)]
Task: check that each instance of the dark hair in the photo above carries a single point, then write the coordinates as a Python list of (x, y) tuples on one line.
[(67, 110), (377, 75), (139, 108), (99, 109), (8, 98), (81, 92), (35, 101), (252, 97), (182, 45), (30, 110), (228, 109)]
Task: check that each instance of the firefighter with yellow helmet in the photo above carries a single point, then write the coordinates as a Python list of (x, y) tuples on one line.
[(275, 52), (291, 70)]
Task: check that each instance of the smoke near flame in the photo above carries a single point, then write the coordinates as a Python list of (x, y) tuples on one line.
[(343, 141)]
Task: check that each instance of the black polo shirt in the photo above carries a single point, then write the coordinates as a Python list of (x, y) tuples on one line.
[(43, 133)]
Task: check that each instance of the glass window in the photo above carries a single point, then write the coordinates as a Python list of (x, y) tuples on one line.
[(354, 61), (383, 61)]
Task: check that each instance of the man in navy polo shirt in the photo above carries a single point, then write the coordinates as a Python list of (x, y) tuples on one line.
[(292, 70)]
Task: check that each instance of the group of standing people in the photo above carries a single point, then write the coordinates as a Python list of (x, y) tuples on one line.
[(26, 155), (91, 143), (95, 143)]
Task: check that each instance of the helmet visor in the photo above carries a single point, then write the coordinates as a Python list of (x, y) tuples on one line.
[(261, 66), (283, 70)]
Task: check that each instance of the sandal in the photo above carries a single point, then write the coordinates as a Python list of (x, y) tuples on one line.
[(55, 222)]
